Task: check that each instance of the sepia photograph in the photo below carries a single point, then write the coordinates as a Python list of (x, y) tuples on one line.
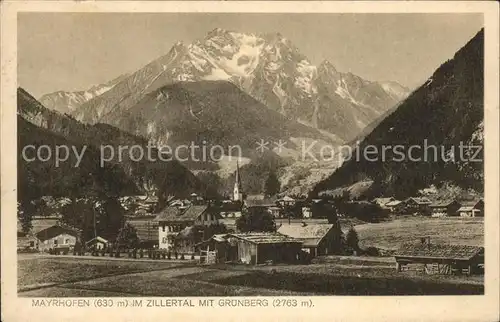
[(247, 155)]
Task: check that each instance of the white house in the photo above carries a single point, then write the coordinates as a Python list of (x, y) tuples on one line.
[(97, 242), (172, 220), (56, 237)]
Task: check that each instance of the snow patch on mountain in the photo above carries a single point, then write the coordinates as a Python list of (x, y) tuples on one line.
[(307, 74)]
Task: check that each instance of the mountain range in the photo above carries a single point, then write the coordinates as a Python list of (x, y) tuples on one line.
[(233, 88), (67, 102), (446, 111), (267, 67)]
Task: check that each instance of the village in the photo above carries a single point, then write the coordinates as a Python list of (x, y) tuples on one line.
[(265, 231)]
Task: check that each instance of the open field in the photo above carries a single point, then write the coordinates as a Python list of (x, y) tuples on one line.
[(37, 270), (334, 275), (452, 230)]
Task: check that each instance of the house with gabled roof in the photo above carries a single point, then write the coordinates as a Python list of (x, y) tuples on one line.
[(56, 236), (444, 208), (440, 258), (417, 205), (250, 248), (97, 243), (471, 208), (172, 220), (393, 205), (317, 239), (382, 202)]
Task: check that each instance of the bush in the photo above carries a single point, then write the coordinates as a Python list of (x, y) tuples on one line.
[(371, 251), (169, 255), (192, 256), (182, 256)]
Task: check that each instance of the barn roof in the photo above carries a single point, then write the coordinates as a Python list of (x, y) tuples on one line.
[(383, 201), (471, 203), (55, 231), (442, 203), (438, 251), (97, 239), (260, 203), (420, 200), (228, 206), (393, 203), (219, 238), (266, 238), (311, 234), (174, 214), (465, 208)]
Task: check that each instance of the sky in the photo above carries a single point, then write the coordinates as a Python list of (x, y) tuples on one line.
[(74, 51)]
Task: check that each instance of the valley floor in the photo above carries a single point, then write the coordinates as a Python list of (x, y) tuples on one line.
[(58, 276)]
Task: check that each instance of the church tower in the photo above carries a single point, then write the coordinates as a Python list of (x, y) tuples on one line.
[(237, 191)]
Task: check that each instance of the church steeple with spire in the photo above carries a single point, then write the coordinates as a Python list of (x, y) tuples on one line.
[(237, 191)]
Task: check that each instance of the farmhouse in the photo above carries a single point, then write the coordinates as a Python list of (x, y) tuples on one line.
[(474, 208), (172, 220), (317, 239), (444, 208), (97, 243), (440, 258), (56, 237), (250, 248), (417, 205), (382, 202), (393, 205)]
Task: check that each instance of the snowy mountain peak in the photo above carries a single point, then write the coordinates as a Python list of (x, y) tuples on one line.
[(267, 66)]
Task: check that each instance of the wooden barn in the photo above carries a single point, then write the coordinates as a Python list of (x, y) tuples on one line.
[(444, 208), (472, 208), (416, 205), (440, 258), (318, 239), (250, 248), (259, 248), (215, 250)]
